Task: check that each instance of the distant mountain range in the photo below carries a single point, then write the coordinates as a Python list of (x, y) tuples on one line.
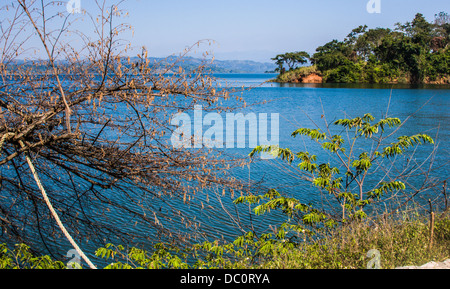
[(190, 63), (218, 66)]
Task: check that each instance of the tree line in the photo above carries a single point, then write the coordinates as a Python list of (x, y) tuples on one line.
[(413, 52)]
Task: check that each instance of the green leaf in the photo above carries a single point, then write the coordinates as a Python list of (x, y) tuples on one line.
[(363, 164), (404, 143), (314, 134), (386, 187)]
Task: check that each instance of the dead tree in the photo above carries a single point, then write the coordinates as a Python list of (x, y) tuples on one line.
[(95, 124)]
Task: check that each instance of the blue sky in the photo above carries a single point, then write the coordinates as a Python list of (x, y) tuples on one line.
[(257, 29)]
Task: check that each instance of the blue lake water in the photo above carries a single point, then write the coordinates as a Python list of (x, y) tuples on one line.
[(426, 108), (423, 109)]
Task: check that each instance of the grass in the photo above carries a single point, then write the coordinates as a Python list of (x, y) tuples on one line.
[(399, 242)]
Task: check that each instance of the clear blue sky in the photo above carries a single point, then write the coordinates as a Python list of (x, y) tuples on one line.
[(258, 29)]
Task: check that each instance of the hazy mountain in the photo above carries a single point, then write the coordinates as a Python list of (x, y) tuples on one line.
[(218, 66), (190, 63)]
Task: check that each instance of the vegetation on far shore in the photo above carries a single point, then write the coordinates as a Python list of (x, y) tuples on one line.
[(414, 52)]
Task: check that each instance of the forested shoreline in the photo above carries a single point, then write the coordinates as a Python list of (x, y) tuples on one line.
[(415, 52)]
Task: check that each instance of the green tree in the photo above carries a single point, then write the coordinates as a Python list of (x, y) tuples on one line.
[(439, 64), (280, 61), (384, 55), (366, 44), (291, 59), (346, 178), (419, 30), (442, 27), (332, 55)]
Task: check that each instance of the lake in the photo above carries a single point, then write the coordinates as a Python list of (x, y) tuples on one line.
[(427, 109), (305, 106)]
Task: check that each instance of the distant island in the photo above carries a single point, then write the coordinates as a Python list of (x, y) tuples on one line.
[(218, 66), (416, 52), (187, 63)]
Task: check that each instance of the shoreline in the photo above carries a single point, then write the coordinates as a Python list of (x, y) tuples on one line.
[(317, 79)]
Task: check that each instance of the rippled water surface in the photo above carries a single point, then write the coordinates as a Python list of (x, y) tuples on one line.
[(426, 108)]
